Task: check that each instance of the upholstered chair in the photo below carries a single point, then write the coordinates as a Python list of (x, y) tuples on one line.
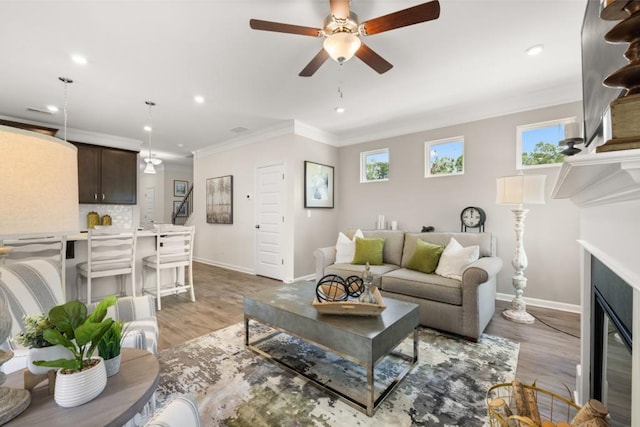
[(34, 287), (181, 411)]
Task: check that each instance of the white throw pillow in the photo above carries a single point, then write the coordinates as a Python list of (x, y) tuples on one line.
[(346, 248), (456, 258)]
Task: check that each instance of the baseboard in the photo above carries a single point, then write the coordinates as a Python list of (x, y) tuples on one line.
[(535, 302), (307, 277), (227, 266)]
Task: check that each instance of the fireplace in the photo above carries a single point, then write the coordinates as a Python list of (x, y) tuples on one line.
[(606, 188), (611, 342)]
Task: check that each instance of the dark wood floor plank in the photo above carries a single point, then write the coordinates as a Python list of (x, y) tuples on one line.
[(546, 355)]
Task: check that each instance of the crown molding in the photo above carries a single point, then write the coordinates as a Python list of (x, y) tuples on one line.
[(286, 127)]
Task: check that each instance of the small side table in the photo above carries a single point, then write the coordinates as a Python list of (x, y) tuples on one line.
[(124, 396)]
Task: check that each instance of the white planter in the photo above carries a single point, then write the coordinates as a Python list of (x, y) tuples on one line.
[(80, 387), (112, 365), (46, 353)]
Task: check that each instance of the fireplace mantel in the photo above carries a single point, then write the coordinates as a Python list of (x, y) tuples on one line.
[(597, 179), (609, 231)]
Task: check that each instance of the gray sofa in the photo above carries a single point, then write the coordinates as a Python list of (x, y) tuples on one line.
[(463, 307)]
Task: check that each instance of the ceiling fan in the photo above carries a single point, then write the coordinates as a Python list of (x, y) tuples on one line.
[(342, 31)]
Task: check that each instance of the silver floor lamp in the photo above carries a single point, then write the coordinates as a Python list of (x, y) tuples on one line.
[(519, 190)]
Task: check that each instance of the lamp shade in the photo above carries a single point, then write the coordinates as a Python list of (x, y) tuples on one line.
[(521, 189), (39, 191), (341, 46)]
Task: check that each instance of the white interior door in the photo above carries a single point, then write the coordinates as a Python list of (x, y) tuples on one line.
[(148, 205), (270, 221)]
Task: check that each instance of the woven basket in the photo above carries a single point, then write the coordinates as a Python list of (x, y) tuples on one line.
[(552, 407)]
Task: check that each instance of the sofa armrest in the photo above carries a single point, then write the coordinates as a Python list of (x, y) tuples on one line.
[(481, 270), (324, 258)]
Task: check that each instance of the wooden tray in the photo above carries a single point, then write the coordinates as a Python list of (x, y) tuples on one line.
[(352, 308)]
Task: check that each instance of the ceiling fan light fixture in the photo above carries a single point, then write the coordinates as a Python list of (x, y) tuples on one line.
[(341, 46)]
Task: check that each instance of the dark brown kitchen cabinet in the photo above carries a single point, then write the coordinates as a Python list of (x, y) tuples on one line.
[(106, 175)]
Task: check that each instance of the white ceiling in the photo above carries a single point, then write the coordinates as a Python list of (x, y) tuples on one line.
[(469, 64)]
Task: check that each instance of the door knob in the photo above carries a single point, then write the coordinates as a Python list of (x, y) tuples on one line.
[(257, 226)]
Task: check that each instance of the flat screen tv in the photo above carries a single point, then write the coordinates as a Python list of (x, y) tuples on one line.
[(599, 59)]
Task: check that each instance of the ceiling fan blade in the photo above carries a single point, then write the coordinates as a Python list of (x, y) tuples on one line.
[(339, 8), (315, 63), (403, 18), (278, 27), (372, 59)]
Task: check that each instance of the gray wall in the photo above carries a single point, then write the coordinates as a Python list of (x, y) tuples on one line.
[(233, 246), (490, 150), (408, 198)]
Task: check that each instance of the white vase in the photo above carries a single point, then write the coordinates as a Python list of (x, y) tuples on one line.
[(112, 365), (80, 387), (46, 353)]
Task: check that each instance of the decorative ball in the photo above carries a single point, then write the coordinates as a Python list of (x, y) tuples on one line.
[(331, 288), (354, 285)]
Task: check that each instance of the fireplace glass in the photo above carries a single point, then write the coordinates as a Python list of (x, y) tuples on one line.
[(611, 340), (616, 374)]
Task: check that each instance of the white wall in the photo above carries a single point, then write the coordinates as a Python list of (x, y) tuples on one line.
[(233, 246), (490, 152)]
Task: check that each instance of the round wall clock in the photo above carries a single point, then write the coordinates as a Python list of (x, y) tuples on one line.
[(472, 217)]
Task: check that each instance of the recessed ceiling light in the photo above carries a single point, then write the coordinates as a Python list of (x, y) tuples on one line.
[(52, 108), (535, 50), (199, 99), (79, 59), (340, 110), (147, 128), (180, 145)]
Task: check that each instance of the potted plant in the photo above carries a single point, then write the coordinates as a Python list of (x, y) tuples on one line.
[(39, 348), (109, 348), (81, 377)]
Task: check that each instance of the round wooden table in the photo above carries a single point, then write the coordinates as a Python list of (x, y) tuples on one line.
[(125, 395)]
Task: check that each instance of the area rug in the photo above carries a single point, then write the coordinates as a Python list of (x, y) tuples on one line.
[(235, 387)]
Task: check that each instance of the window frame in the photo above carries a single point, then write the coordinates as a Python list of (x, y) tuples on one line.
[(363, 168), (539, 125), (427, 156)]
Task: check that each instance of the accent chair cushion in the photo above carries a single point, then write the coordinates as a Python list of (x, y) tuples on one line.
[(368, 250), (425, 258)]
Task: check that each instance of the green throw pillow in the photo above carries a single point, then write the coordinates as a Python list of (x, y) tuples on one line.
[(426, 257), (368, 250)]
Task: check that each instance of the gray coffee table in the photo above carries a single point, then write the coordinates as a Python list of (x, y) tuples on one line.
[(363, 340)]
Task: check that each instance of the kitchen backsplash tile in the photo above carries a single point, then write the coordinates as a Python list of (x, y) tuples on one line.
[(121, 215)]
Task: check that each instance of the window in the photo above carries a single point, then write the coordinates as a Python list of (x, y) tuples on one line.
[(444, 157), (538, 143), (374, 165)]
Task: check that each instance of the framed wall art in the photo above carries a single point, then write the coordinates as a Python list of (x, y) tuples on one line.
[(180, 188), (219, 195), (183, 211), (318, 185)]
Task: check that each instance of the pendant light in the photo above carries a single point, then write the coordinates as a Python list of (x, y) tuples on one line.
[(151, 162)]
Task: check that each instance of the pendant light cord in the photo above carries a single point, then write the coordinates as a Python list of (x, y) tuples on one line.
[(66, 82), (150, 104)]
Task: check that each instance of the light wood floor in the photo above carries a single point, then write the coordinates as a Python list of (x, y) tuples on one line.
[(546, 355)]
